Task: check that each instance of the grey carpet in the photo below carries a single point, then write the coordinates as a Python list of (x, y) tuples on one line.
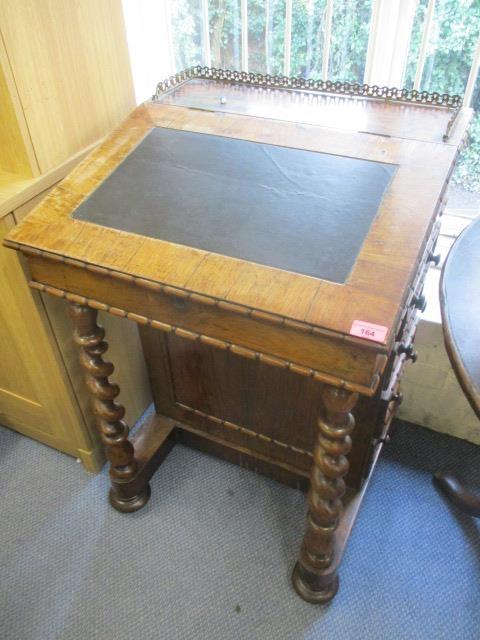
[(210, 556)]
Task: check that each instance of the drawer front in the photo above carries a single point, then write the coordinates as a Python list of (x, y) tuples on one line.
[(404, 347)]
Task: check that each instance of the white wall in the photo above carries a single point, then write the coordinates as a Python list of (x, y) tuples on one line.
[(432, 396), (149, 43)]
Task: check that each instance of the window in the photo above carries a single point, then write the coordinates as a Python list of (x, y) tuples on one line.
[(224, 23), (429, 45), (309, 23), (444, 40), (450, 30), (186, 22), (349, 40)]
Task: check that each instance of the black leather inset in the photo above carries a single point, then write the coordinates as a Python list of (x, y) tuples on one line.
[(296, 210)]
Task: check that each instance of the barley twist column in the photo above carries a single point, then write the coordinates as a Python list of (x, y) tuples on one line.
[(314, 577), (89, 336)]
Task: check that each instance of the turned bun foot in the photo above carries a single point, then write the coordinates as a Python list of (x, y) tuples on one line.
[(312, 588), (129, 505)]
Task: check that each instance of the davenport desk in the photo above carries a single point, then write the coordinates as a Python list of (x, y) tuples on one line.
[(270, 237)]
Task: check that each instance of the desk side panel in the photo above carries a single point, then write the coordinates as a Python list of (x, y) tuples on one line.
[(251, 408)]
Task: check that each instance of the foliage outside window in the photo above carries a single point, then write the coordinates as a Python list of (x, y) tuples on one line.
[(450, 50), (266, 36)]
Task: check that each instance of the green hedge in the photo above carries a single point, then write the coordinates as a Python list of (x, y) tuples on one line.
[(467, 173)]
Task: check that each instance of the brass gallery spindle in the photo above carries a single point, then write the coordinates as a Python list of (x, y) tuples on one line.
[(311, 577), (89, 336)]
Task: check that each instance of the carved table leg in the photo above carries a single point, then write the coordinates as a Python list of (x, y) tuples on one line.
[(128, 493), (314, 578)]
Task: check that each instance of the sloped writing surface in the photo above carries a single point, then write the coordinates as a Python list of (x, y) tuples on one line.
[(287, 208)]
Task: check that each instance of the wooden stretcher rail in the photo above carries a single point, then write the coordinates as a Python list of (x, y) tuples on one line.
[(244, 431)]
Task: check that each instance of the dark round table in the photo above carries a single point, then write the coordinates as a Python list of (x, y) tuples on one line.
[(460, 306)]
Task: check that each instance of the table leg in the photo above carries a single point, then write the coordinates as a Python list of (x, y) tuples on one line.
[(459, 495), (314, 576), (128, 492)]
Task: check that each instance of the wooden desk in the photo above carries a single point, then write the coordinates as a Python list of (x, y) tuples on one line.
[(248, 324)]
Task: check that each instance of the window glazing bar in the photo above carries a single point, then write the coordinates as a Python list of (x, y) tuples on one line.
[(207, 56), (472, 77), (423, 47), (288, 38), (327, 38), (372, 46), (244, 21), (389, 41), (168, 36)]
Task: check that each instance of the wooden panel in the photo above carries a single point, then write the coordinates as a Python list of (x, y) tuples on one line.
[(71, 67), (16, 154), (11, 184), (13, 156), (247, 404), (21, 211), (35, 397), (15, 191), (354, 362), (169, 262)]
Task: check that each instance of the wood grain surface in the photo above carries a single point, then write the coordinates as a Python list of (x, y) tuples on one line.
[(239, 301), (68, 60)]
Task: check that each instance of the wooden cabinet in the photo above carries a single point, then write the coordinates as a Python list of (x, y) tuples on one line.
[(66, 70), (38, 405), (65, 82)]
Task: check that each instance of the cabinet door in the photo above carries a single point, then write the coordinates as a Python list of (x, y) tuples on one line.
[(35, 396)]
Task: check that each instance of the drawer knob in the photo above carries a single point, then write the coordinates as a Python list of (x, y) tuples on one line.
[(396, 397), (409, 352), (420, 302), (434, 258)]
